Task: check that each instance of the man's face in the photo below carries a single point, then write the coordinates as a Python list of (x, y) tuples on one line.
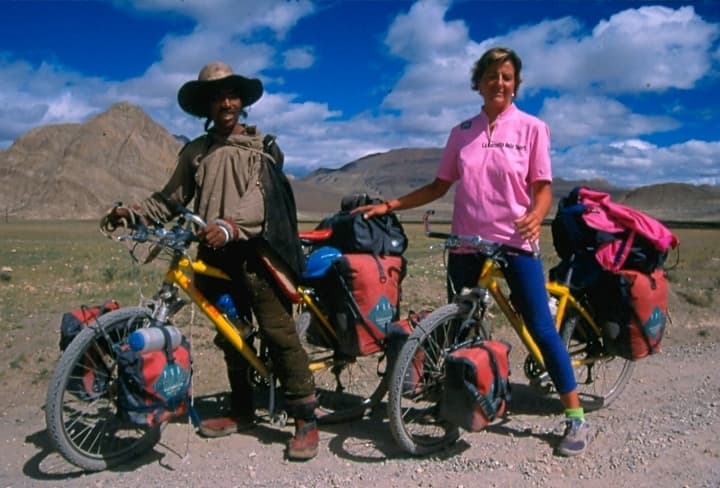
[(225, 109)]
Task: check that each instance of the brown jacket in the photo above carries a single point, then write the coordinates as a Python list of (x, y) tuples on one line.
[(223, 177)]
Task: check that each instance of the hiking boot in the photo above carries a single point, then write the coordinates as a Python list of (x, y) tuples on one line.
[(222, 426), (304, 444), (576, 437)]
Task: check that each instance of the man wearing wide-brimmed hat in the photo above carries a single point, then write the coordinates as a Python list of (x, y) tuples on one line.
[(231, 172)]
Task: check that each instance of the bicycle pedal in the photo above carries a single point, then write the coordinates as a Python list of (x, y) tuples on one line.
[(542, 384)]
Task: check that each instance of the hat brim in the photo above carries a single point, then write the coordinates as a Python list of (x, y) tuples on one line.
[(194, 96)]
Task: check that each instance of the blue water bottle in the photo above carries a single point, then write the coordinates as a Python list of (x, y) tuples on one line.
[(226, 305)]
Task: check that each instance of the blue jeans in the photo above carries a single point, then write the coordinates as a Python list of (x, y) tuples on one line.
[(526, 280)]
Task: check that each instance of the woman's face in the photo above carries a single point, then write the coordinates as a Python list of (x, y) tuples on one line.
[(225, 110), (497, 85)]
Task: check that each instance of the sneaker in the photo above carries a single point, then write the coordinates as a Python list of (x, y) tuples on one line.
[(576, 437), (222, 426)]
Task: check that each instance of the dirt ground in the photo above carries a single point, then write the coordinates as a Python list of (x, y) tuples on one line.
[(663, 431)]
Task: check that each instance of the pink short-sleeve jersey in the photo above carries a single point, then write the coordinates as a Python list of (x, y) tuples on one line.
[(494, 173)]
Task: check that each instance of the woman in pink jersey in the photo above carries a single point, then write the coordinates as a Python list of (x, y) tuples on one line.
[(500, 160)]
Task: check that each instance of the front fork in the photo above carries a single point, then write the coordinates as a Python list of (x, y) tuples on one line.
[(167, 303), (476, 301)]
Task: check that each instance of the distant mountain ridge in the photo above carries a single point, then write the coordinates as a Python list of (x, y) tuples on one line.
[(76, 171)]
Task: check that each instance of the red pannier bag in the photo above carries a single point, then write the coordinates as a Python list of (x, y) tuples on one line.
[(398, 333), (369, 302), (476, 387), (89, 379), (646, 295), (154, 386)]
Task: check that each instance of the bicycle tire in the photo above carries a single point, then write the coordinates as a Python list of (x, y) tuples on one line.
[(414, 390), (347, 388), (604, 377), (85, 428)]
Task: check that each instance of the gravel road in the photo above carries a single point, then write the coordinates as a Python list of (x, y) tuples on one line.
[(663, 431)]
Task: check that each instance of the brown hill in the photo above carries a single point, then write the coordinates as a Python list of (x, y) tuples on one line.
[(383, 175), (75, 171)]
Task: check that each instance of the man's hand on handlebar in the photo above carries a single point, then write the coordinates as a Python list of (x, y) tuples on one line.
[(119, 216), (215, 235)]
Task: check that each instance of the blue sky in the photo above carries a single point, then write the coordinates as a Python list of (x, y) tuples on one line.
[(628, 88)]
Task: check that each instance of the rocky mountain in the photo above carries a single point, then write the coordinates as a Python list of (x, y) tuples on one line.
[(76, 171)]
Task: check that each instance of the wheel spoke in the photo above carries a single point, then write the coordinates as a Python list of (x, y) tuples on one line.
[(600, 378), (415, 384), (81, 416)]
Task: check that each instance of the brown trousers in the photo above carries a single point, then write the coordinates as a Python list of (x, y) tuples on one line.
[(255, 293)]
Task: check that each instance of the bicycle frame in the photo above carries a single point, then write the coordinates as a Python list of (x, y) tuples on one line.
[(179, 274), (489, 278), (490, 275), (90, 433), (419, 376)]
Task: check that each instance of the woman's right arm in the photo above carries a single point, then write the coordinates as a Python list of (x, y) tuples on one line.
[(425, 194)]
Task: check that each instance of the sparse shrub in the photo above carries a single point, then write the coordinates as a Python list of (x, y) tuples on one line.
[(109, 274), (698, 298), (41, 377), (132, 273), (17, 362), (6, 273)]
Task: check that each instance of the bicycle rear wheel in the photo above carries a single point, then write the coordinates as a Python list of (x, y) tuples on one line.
[(416, 380), (81, 413), (600, 377), (347, 387)]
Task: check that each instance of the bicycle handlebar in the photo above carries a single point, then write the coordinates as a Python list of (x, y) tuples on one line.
[(484, 246), (178, 237)]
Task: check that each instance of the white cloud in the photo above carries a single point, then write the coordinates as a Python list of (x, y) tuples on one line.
[(575, 119), (585, 79), (635, 162), (423, 34), (233, 16), (298, 58), (649, 49)]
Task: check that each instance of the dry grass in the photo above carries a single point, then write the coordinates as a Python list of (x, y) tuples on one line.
[(56, 266)]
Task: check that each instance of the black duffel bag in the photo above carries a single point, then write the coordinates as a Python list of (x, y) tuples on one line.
[(382, 235)]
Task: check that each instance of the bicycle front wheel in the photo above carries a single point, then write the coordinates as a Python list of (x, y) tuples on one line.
[(416, 380), (347, 387), (81, 413), (600, 377)]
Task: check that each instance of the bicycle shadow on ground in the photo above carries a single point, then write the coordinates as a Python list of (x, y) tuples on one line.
[(366, 440), (369, 440), (526, 400), (49, 465), (363, 440)]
